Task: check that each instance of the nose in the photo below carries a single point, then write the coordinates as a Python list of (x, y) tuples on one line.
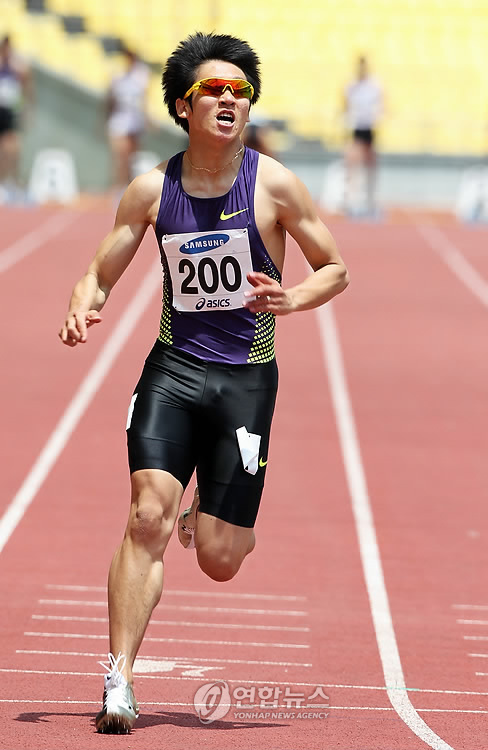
[(227, 94)]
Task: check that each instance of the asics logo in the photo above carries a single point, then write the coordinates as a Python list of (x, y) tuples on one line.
[(224, 216)]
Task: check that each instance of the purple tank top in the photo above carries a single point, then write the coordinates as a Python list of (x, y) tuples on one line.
[(234, 336)]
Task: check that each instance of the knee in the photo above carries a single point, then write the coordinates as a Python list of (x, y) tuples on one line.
[(146, 522), (218, 564), (149, 525)]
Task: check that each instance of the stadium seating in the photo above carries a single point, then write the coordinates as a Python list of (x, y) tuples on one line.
[(428, 54)]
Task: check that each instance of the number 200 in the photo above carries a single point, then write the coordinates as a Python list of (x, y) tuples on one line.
[(217, 274)]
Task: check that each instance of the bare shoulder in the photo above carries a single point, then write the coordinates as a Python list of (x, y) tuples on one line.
[(274, 175), (141, 199), (283, 185)]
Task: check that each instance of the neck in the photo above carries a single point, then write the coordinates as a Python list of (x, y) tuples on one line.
[(202, 159)]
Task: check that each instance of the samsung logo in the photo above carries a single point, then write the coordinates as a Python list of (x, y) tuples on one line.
[(201, 244)]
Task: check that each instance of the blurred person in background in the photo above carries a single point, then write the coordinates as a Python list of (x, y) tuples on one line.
[(257, 135), (15, 97), (126, 117), (363, 107)]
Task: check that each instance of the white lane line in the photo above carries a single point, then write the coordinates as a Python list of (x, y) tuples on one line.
[(184, 608), (455, 260), (169, 658), (169, 640), (366, 533), (479, 656), (328, 686), (182, 624), (286, 707), (79, 403), (475, 637), (472, 622), (68, 618), (191, 594), (231, 595), (244, 681), (47, 701), (35, 239), (479, 607), (145, 676), (420, 710)]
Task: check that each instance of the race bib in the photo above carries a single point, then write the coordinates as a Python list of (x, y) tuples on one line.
[(208, 269)]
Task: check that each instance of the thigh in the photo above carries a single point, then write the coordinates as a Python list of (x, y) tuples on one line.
[(243, 397), (161, 425)]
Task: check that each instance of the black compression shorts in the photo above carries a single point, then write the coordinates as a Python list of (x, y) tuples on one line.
[(364, 135), (8, 120), (184, 415)]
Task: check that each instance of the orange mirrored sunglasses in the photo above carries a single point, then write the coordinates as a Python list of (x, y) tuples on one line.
[(216, 86)]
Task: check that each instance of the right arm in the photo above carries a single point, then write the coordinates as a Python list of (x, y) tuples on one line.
[(112, 258)]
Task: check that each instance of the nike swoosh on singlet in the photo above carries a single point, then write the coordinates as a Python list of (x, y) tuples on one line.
[(224, 216), (262, 463)]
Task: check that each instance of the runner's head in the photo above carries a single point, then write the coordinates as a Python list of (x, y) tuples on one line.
[(130, 56), (362, 68), (181, 69)]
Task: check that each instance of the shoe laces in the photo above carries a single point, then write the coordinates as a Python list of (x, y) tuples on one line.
[(114, 678)]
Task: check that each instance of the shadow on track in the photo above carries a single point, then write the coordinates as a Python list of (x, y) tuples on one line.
[(178, 719)]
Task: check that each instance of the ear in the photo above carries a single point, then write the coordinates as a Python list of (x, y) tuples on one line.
[(182, 108)]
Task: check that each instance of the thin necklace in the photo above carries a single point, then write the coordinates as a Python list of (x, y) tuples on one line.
[(214, 171)]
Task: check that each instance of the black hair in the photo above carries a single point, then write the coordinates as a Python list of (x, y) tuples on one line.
[(180, 69)]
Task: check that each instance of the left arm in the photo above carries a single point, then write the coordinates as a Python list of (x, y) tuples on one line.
[(298, 216)]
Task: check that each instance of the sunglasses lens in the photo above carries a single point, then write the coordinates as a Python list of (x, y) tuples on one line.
[(243, 89), (212, 87), (216, 87)]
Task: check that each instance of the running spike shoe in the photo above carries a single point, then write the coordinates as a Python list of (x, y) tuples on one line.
[(120, 708)]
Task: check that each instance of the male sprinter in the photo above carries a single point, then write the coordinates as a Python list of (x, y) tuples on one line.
[(206, 394)]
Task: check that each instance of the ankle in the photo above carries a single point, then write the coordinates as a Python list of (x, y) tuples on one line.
[(118, 666)]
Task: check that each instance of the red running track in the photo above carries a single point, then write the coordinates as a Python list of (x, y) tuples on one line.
[(369, 577)]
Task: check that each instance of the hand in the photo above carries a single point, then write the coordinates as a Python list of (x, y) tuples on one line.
[(269, 295), (74, 330)]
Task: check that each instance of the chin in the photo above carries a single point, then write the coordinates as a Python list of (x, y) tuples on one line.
[(227, 135)]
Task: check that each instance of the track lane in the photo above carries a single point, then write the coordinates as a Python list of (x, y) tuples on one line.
[(87, 544), (16, 224), (341, 637), (35, 294), (420, 424)]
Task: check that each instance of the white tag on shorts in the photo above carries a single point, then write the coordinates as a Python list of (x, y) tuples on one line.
[(208, 269), (131, 410), (249, 447)]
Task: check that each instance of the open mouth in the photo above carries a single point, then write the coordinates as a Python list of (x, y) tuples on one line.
[(227, 117)]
